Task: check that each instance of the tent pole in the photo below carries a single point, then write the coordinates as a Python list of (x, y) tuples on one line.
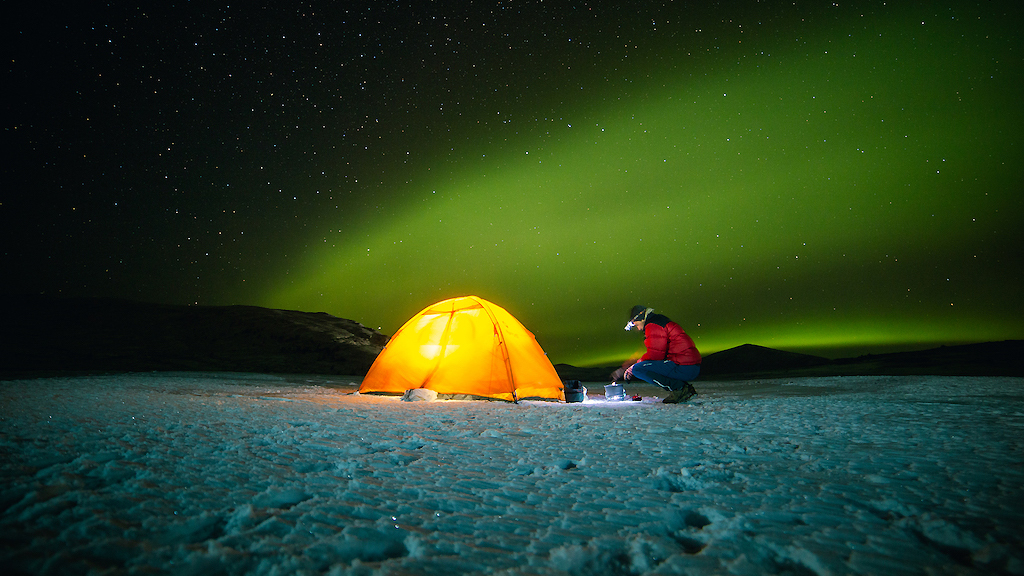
[(502, 346)]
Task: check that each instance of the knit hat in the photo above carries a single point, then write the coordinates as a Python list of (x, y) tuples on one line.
[(635, 314), (639, 309)]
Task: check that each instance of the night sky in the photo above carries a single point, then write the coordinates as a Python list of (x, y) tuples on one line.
[(834, 178)]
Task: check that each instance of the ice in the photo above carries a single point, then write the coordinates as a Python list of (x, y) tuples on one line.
[(192, 473)]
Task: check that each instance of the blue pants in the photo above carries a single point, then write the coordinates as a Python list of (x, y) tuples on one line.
[(651, 369)]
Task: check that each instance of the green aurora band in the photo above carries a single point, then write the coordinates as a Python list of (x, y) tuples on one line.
[(852, 192)]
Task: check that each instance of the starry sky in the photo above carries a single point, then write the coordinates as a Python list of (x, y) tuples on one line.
[(833, 178)]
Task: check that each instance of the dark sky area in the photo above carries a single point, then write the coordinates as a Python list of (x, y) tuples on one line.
[(835, 178)]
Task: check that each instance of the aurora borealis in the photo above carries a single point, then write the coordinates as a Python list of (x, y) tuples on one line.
[(823, 177)]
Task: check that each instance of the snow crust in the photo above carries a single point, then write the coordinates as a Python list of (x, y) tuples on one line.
[(192, 473)]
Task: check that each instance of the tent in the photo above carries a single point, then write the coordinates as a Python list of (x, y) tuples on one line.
[(465, 346)]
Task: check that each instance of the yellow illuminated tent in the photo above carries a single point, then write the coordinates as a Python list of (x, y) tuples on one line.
[(465, 346)]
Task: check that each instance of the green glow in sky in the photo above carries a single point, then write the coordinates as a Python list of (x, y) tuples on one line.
[(853, 191)]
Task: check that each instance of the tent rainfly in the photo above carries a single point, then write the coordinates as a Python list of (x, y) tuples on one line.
[(465, 346)]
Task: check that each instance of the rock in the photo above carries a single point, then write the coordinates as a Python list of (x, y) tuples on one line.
[(419, 395)]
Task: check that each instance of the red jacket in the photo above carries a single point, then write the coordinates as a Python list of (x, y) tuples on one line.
[(666, 340)]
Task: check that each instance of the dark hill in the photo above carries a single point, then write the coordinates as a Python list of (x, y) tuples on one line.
[(570, 372), (751, 361), (750, 358), (1004, 358), (986, 359), (46, 335)]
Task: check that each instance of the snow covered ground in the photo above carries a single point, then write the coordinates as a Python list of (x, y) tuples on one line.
[(190, 473)]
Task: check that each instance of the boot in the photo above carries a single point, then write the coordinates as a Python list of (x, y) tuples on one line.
[(680, 395)]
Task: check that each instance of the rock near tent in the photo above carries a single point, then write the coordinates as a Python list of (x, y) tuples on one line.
[(465, 347)]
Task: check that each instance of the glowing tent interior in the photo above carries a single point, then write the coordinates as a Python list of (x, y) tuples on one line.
[(465, 346)]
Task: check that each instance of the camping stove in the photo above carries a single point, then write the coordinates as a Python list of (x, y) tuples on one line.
[(614, 392)]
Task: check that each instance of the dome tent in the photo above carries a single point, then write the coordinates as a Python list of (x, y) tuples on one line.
[(465, 346)]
